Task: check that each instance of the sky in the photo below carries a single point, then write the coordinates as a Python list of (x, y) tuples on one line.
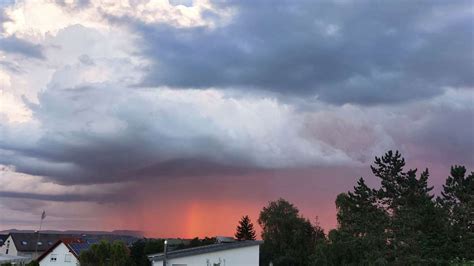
[(178, 117)]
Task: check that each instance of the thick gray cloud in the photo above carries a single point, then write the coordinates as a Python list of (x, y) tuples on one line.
[(15, 45), (342, 51), (106, 133), (91, 124), (58, 197)]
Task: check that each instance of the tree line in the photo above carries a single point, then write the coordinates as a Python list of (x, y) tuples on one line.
[(117, 253), (400, 222)]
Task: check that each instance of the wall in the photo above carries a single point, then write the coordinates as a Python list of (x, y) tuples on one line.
[(245, 256), (61, 250), (11, 250)]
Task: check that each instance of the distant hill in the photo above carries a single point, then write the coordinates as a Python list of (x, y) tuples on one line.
[(136, 234)]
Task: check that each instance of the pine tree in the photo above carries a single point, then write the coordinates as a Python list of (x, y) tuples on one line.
[(245, 230), (399, 223), (415, 220), (457, 201), (362, 226)]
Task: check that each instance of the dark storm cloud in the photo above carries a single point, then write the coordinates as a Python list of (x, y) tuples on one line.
[(344, 52), (58, 197), (366, 53), (141, 147), (123, 159), (18, 46)]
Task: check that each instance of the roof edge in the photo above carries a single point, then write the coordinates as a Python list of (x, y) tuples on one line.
[(205, 249)]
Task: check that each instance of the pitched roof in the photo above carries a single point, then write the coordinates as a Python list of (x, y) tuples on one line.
[(78, 244), (203, 249), (2, 239), (26, 242), (68, 242)]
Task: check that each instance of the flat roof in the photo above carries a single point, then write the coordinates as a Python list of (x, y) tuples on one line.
[(203, 249)]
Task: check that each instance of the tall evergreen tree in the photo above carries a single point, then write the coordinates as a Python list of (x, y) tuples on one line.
[(362, 223), (399, 223), (457, 199), (245, 230), (413, 232)]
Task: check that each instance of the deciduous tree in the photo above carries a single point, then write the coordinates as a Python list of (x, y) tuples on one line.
[(106, 254), (289, 238)]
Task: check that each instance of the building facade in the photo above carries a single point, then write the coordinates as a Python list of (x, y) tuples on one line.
[(61, 254)]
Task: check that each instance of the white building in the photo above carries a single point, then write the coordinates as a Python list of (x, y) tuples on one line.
[(239, 253), (28, 244), (64, 252)]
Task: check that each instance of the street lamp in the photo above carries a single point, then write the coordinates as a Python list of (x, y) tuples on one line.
[(164, 253)]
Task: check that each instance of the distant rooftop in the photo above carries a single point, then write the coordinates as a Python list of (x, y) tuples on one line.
[(28, 242), (2, 239)]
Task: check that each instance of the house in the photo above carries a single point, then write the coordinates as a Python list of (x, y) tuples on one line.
[(28, 244), (237, 253), (64, 252)]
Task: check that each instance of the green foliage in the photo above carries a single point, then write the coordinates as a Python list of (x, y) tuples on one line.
[(33, 263), (141, 248), (245, 230), (289, 239), (400, 223), (361, 227), (106, 254), (457, 200)]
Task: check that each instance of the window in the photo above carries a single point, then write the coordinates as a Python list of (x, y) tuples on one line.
[(40, 243), (67, 258), (54, 257), (24, 243), (6, 251)]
